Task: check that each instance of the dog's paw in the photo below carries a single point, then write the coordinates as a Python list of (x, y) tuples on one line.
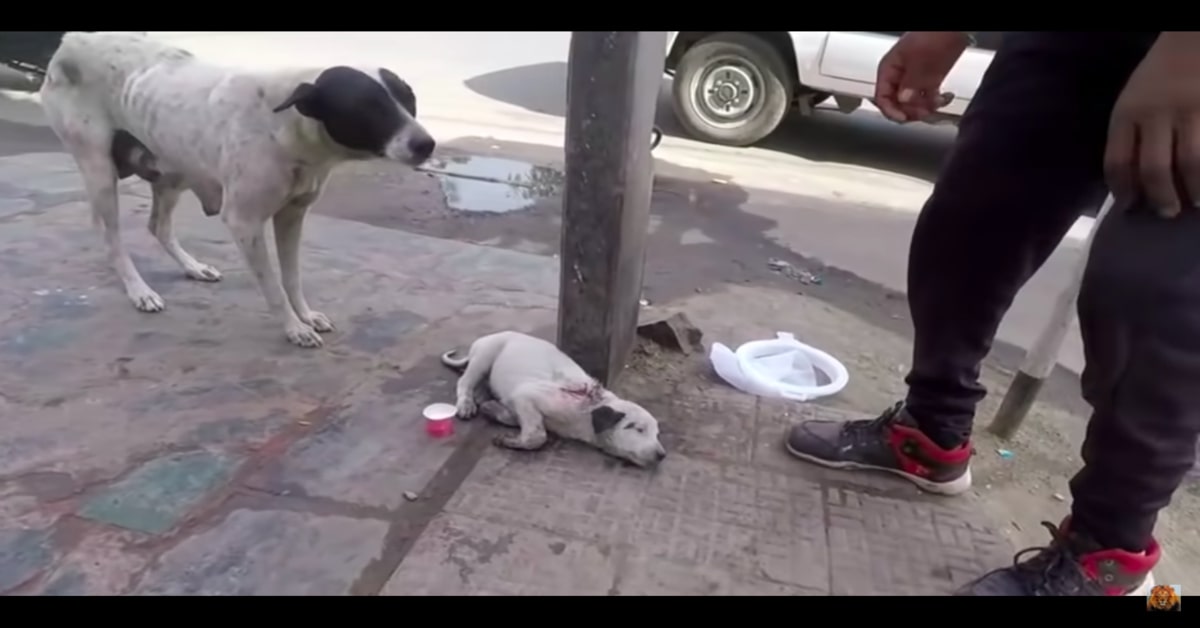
[(302, 335), (147, 301), (318, 321), (466, 409), (203, 272)]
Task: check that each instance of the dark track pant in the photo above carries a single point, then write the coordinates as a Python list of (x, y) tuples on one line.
[(1027, 161)]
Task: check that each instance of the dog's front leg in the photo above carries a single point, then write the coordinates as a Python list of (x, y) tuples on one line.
[(248, 229), (289, 224), (533, 427)]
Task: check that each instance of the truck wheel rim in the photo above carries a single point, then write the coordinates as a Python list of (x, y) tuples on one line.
[(726, 93)]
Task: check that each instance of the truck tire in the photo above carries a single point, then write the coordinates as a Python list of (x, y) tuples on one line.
[(731, 88)]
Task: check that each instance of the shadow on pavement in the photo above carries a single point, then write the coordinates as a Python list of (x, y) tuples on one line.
[(863, 139)]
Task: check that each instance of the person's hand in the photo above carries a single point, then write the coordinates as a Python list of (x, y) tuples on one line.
[(908, 85), (1153, 150)]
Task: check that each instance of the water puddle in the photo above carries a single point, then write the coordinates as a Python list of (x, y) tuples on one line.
[(493, 185)]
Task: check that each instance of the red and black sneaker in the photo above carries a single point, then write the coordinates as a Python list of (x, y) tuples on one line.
[(1071, 565), (889, 443)]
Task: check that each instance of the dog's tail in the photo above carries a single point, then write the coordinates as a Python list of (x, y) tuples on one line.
[(458, 364)]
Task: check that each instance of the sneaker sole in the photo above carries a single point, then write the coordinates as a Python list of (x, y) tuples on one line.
[(954, 487), (1144, 589)]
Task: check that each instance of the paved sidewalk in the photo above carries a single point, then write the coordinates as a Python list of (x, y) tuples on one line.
[(195, 451)]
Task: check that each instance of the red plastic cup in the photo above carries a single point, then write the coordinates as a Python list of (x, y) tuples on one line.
[(439, 420)]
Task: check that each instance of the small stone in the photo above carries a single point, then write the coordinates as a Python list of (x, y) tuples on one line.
[(1059, 497), (410, 496)]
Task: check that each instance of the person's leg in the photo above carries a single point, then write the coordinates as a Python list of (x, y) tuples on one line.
[(1139, 313), (1026, 162)]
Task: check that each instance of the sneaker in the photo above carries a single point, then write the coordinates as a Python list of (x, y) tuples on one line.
[(1071, 565), (889, 443)]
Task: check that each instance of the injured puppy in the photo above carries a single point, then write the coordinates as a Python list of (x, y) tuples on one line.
[(539, 388)]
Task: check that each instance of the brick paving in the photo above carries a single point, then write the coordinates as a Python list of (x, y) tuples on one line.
[(195, 452)]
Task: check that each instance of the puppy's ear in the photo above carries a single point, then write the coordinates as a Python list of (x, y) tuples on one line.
[(303, 98), (605, 418)]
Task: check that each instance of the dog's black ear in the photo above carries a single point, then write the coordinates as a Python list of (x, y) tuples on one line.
[(401, 91), (303, 98), (605, 418)]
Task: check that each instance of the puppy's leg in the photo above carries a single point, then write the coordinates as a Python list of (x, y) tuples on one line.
[(289, 224), (166, 196), (533, 427), (480, 358), (499, 413), (245, 214)]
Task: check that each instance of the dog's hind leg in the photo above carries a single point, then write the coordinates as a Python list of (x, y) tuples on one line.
[(533, 427), (289, 226), (166, 191), (88, 135), (100, 180)]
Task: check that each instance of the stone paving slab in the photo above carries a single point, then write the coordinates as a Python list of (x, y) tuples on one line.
[(709, 521), (269, 553)]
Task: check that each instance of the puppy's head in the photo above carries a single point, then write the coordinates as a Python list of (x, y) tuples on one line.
[(365, 113), (626, 430)]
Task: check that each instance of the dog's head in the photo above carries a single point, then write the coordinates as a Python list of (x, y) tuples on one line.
[(1162, 598), (365, 113), (626, 430)]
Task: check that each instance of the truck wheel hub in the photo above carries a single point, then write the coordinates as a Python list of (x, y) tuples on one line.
[(728, 90)]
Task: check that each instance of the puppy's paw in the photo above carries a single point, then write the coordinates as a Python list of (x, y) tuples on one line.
[(203, 272), (318, 321), (302, 335), (466, 409), (147, 301)]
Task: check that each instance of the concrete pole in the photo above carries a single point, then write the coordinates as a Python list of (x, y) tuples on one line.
[(613, 81), (1043, 355)]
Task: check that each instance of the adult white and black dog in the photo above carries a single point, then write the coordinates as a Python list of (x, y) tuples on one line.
[(253, 146), (538, 388)]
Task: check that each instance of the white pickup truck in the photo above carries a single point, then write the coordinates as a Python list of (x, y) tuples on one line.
[(736, 87)]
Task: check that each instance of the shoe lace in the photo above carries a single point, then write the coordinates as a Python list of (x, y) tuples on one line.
[(1053, 569), (857, 433)]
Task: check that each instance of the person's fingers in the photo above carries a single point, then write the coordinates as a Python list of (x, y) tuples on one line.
[(1187, 157), (1120, 162), (921, 102), (887, 82), (1155, 164)]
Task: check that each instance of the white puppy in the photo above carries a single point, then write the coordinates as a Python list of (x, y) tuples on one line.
[(253, 146), (538, 388)]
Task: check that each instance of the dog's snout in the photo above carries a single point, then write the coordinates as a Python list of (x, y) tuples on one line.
[(421, 147), (660, 454)]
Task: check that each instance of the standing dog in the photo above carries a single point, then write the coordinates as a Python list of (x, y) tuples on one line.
[(539, 388), (252, 146)]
